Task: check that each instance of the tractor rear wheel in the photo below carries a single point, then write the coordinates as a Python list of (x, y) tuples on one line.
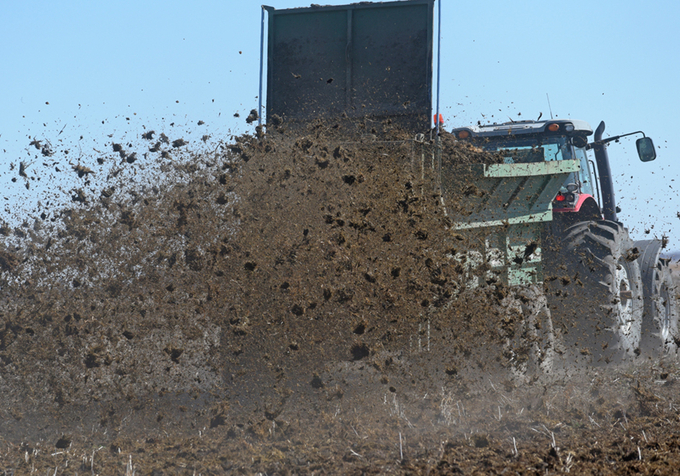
[(660, 322), (595, 289)]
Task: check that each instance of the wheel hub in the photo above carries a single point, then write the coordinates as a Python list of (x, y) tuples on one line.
[(664, 309), (624, 302)]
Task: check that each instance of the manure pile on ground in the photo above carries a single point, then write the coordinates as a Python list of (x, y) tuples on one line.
[(286, 302)]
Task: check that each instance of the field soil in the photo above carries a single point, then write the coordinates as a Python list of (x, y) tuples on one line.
[(293, 302)]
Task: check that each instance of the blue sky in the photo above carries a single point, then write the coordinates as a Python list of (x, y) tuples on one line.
[(115, 68)]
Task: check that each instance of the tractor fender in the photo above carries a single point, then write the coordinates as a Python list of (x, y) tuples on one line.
[(588, 207), (577, 206), (585, 209), (649, 257)]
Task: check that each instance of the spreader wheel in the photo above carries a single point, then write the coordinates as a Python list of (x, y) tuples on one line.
[(660, 322)]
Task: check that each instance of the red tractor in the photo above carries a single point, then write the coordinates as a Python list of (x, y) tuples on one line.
[(611, 297)]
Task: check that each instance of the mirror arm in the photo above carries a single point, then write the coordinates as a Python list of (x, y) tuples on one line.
[(611, 139)]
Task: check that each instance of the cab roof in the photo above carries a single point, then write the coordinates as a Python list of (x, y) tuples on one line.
[(568, 126)]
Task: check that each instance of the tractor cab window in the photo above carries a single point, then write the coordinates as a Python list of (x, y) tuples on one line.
[(543, 149), (538, 149), (584, 173)]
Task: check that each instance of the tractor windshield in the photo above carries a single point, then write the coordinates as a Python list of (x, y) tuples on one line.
[(542, 149), (530, 149)]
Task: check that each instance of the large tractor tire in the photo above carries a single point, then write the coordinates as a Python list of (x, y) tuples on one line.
[(595, 292), (660, 336)]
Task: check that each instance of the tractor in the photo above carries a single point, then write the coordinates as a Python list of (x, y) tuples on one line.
[(612, 298)]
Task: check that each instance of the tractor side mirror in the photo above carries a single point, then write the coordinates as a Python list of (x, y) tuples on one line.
[(645, 148)]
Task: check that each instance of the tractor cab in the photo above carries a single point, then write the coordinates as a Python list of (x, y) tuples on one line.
[(544, 141), (564, 139)]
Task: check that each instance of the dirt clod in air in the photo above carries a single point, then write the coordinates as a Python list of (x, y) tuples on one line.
[(252, 117), (82, 171)]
